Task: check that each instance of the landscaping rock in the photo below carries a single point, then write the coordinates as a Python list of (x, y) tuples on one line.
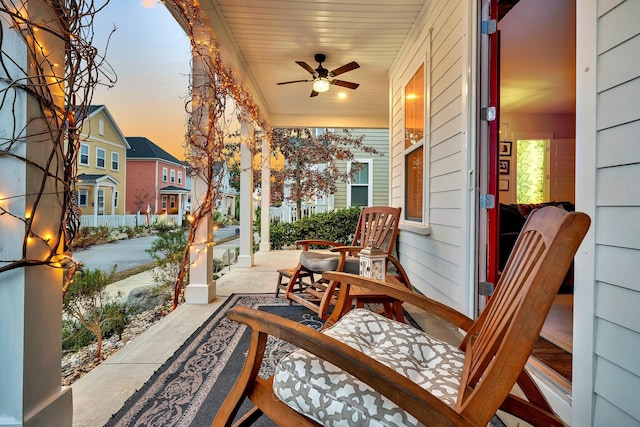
[(147, 297)]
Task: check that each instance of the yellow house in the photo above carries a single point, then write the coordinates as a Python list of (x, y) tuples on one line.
[(101, 185)]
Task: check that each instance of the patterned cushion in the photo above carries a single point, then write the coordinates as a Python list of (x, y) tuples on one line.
[(333, 397), (319, 262)]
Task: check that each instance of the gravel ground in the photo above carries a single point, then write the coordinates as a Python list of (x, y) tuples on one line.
[(78, 363)]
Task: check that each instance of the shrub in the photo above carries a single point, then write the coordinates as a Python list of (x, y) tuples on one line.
[(335, 226), (168, 249), (86, 300)]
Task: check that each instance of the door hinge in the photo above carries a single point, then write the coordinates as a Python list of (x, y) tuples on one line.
[(485, 289), (489, 26), (487, 201), (488, 114)]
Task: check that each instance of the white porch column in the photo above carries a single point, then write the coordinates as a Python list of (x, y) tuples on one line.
[(245, 259), (30, 297), (96, 187), (265, 233), (202, 286)]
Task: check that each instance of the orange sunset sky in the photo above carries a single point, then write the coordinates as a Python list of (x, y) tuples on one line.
[(150, 55)]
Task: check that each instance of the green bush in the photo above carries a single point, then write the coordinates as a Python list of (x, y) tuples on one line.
[(75, 336), (335, 226)]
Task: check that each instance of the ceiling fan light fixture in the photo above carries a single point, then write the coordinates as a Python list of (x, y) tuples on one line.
[(321, 84)]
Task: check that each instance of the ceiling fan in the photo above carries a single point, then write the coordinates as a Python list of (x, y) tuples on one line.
[(322, 77)]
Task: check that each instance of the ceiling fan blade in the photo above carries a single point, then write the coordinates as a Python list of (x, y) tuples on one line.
[(294, 81), (346, 67), (306, 66), (342, 83), (313, 93)]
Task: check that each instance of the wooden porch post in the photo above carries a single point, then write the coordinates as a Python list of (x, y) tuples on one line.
[(245, 259), (265, 235), (30, 296)]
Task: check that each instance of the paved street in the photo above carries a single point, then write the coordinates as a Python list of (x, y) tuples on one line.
[(131, 253)]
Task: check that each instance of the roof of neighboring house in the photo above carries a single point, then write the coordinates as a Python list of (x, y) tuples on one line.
[(173, 189), (90, 178), (143, 148), (94, 109)]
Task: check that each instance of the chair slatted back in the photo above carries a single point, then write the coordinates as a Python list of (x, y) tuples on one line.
[(502, 338), (378, 224)]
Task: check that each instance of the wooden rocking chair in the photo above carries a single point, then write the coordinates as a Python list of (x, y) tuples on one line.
[(377, 224), (409, 377)]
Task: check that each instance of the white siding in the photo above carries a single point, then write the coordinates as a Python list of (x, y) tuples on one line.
[(436, 263), (616, 297), (378, 139)]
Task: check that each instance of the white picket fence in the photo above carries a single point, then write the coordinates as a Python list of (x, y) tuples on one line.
[(115, 221), (288, 212)]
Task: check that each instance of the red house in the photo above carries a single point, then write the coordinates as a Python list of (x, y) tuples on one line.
[(156, 180)]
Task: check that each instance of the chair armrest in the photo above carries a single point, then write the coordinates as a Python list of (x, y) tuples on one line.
[(308, 242), (405, 393), (347, 249), (401, 293)]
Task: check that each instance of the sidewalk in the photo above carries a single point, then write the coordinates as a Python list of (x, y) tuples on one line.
[(145, 278), (103, 391)]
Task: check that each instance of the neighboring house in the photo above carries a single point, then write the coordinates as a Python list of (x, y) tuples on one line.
[(369, 186), (101, 185), (226, 201), (156, 179)]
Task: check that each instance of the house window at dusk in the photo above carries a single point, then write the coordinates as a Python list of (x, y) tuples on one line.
[(179, 177), (83, 196), (115, 199), (164, 203), (173, 176), (115, 161), (414, 137), (100, 202), (101, 158), (164, 174), (359, 189), (84, 154)]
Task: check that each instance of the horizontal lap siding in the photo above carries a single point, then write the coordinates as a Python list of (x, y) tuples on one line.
[(435, 262), (617, 338)]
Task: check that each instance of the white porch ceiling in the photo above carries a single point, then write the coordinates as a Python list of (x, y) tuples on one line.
[(263, 38), (270, 35)]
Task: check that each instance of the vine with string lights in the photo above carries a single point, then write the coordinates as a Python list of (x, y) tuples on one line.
[(63, 98), (217, 103), (57, 80)]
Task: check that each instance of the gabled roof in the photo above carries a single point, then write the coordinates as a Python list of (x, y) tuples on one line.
[(144, 149), (88, 178), (95, 109), (173, 189)]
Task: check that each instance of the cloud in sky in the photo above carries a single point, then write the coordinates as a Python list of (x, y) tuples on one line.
[(149, 3)]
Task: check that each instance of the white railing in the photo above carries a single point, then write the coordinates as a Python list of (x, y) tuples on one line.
[(115, 221), (288, 212)]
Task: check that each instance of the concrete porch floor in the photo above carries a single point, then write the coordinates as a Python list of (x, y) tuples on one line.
[(103, 391)]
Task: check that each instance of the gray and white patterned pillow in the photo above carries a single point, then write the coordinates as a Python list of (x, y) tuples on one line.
[(333, 397)]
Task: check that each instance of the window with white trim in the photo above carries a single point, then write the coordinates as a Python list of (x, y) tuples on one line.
[(414, 143), (100, 127), (83, 197), (101, 201), (360, 187), (115, 199), (165, 174), (172, 200), (115, 161), (164, 202), (173, 176), (101, 158), (179, 177), (84, 154)]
